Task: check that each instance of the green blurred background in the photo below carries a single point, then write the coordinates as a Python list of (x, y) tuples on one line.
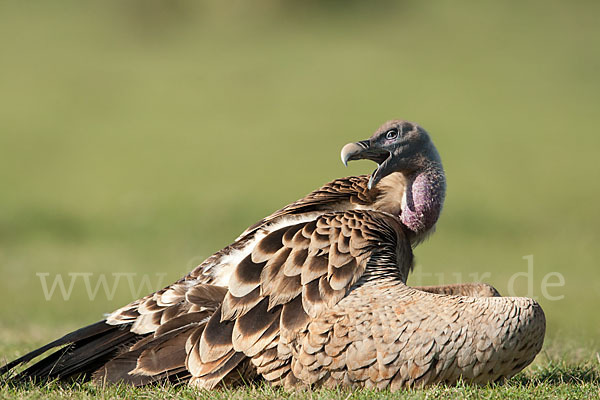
[(141, 136)]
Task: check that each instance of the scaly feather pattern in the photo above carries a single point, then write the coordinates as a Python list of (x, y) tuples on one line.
[(315, 295)]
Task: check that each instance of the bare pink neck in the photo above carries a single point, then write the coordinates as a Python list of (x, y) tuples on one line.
[(423, 198)]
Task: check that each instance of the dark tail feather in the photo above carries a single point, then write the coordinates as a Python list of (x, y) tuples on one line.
[(85, 350), (152, 359)]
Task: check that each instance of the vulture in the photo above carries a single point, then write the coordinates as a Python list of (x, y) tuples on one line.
[(315, 295)]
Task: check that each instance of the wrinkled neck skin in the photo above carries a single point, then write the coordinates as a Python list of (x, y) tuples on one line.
[(423, 198)]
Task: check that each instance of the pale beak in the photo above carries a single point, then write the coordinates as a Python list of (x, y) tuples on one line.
[(363, 150), (353, 151)]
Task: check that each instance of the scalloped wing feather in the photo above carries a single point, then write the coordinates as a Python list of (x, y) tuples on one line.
[(292, 275)]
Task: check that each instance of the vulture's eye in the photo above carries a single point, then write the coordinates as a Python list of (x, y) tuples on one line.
[(391, 134)]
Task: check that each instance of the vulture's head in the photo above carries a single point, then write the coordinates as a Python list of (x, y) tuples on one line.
[(397, 146)]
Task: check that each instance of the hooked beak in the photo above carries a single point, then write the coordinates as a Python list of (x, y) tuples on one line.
[(363, 150)]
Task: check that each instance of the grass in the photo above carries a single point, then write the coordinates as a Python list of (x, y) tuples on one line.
[(139, 137), (553, 380)]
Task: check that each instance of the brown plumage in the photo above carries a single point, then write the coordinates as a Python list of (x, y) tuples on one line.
[(315, 294)]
